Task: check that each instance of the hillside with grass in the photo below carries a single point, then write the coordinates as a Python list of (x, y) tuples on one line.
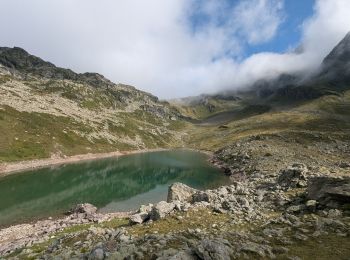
[(292, 122), (46, 111)]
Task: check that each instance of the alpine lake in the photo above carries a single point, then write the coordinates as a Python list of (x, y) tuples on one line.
[(115, 184)]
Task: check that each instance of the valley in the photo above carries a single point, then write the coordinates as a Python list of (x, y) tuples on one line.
[(284, 150)]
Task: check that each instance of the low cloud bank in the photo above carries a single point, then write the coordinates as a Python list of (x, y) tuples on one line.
[(166, 48)]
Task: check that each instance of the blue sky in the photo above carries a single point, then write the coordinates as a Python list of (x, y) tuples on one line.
[(290, 31), (288, 35), (178, 48)]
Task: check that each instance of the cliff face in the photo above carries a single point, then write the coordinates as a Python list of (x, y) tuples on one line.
[(336, 66), (46, 110)]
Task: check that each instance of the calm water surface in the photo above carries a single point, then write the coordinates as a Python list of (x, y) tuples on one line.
[(112, 184)]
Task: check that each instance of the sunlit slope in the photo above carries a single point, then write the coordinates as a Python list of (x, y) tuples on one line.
[(47, 111), (328, 116)]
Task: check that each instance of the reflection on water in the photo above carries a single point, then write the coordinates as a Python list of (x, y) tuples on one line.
[(111, 184)]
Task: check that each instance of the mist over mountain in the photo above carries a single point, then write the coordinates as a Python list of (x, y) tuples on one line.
[(178, 48)]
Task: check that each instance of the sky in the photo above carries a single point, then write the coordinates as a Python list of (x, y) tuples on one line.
[(178, 48)]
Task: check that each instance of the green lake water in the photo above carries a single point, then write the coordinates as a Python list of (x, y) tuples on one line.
[(113, 184)]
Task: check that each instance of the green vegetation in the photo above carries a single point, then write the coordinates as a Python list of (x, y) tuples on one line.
[(328, 115)]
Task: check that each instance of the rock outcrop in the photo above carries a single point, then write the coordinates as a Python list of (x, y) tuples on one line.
[(329, 191), (293, 177)]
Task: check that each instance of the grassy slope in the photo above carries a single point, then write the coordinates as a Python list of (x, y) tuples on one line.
[(328, 114), (202, 110), (101, 122)]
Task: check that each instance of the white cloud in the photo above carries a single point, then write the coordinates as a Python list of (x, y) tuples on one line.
[(321, 33), (257, 20), (150, 44)]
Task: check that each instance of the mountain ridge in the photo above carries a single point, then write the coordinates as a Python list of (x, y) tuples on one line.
[(50, 111)]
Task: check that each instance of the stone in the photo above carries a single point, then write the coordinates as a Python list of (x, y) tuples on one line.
[(146, 208), (139, 218), (344, 165), (180, 192), (172, 254), (311, 205), (201, 196), (334, 213), (97, 254), (294, 176), (295, 208), (161, 209), (256, 249), (85, 208), (222, 192), (329, 191), (216, 249), (280, 250)]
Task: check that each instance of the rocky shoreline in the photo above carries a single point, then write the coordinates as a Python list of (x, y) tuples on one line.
[(256, 217)]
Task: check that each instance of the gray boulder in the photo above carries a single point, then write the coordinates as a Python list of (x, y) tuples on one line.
[(142, 215), (180, 192), (200, 196), (161, 209), (97, 254), (139, 218), (329, 191), (217, 249)]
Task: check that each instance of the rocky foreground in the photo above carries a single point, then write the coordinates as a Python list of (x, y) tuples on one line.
[(295, 214)]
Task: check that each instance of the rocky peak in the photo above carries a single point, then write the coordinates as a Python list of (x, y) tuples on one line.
[(336, 66), (18, 60)]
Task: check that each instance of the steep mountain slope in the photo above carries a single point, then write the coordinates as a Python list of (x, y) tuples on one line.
[(335, 67), (282, 93), (289, 123), (49, 111)]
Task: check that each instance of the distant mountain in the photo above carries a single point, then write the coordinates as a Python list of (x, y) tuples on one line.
[(335, 68), (332, 77), (50, 111)]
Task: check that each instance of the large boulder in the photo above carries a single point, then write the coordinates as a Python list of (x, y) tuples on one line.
[(180, 192), (161, 209), (329, 191), (294, 176)]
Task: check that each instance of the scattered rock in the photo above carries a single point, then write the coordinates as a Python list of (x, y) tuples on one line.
[(85, 208), (294, 176)]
